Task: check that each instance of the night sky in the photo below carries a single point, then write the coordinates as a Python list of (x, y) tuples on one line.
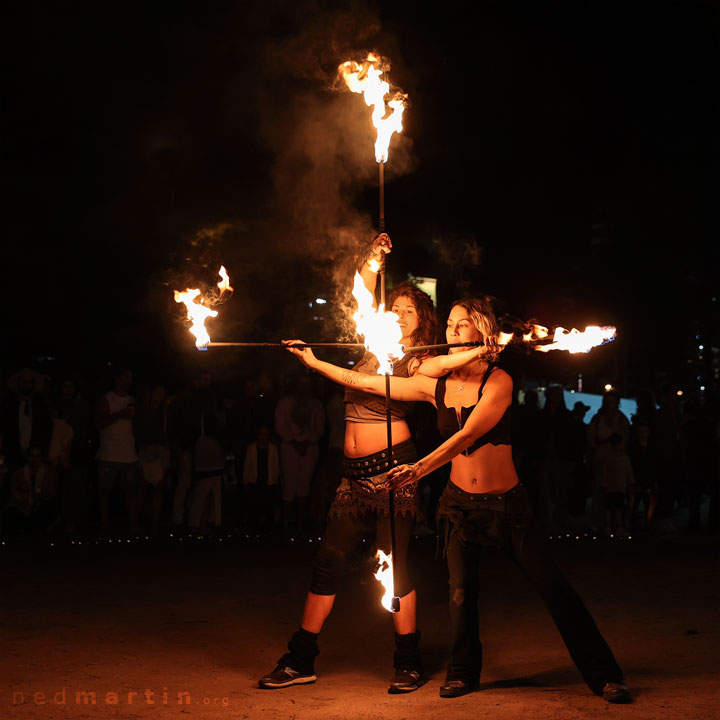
[(562, 157)]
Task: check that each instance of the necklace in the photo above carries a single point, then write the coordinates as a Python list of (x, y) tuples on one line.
[(461, 387)]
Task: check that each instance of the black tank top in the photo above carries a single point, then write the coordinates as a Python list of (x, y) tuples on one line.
[(447, 418)]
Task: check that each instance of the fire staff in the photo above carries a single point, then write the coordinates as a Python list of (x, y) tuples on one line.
[(484, 504), (361, 503)]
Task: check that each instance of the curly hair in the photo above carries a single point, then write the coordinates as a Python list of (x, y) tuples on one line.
[(483, 317), (427, 329)]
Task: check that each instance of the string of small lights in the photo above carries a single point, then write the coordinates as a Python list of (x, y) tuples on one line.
[(242, 537)]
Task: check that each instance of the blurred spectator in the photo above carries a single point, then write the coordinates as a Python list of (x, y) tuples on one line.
[(75, 410), (697, 450), (299, 421), (559, 458), (243, 421), (26, 417), (714, 510), (181, 436), (116, 457), (330, 467), (608, 421), (615, 481), (645, 464), (528, 443), (208, 420), (3, 474), (667, 441), (32, 504), (261, 472), (581, 482), (646, 409), (267, 399), (151, 430)]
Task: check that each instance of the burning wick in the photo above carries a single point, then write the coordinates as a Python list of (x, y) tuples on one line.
[(198, 313)]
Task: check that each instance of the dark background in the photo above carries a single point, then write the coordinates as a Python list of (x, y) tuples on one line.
[(560, 156)]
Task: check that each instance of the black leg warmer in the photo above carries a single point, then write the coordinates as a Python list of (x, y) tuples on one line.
[(303, 649), (407, 654)]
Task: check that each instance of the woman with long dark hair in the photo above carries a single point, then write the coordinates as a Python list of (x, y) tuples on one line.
[(361, 503)]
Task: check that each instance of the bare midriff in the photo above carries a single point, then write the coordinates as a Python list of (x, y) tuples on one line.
[(489, 469), (365, 438)]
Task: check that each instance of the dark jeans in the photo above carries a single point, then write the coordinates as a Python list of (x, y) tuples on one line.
[(471, 520)]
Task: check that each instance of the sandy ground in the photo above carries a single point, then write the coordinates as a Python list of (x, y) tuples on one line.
[(207, 618)]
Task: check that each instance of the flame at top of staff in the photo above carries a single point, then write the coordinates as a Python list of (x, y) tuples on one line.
[(574, 341), (197, 312), (365, 78), (380, 329)]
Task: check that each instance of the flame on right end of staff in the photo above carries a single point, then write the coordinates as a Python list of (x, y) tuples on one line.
[(579, 341)]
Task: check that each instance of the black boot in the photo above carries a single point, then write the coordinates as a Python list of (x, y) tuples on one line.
[(408, 664), (297, 666)]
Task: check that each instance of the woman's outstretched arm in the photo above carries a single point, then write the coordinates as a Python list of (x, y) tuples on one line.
[(409, 389), (495, 399), (443, 364)]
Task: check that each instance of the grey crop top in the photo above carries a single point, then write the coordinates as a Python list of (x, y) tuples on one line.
[(365, 407)]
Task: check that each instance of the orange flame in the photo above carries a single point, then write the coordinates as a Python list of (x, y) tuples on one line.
[(380, 329), (365, 78), (198, 313), (384, 575), (575, 341), (224, 283)]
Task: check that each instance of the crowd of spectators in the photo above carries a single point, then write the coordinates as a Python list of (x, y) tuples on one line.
[(266, 457)]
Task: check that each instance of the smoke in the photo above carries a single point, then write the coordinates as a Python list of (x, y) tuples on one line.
[(307, 165), (322, 142)]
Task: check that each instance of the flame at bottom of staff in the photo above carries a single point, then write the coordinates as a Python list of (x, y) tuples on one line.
[(384, 575)]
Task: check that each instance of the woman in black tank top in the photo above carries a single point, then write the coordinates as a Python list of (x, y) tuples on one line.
[(484, 504)]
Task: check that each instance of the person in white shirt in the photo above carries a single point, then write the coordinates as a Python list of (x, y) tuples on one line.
[(299, 421), (116, 457), (261, 472)]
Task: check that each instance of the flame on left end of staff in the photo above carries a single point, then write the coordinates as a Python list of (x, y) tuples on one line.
[(384, 576), (197, 312)]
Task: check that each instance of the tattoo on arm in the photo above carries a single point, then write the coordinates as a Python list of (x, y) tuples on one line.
[(349, 377)]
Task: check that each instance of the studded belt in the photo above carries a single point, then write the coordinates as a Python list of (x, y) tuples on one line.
[(379, 462)]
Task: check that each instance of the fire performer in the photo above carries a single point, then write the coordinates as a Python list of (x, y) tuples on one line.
[(361, 503), (484, 504)]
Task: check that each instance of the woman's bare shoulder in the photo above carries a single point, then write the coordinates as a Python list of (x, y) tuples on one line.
[(500, 380)]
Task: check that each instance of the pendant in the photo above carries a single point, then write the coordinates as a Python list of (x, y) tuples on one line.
[(462, 387)]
